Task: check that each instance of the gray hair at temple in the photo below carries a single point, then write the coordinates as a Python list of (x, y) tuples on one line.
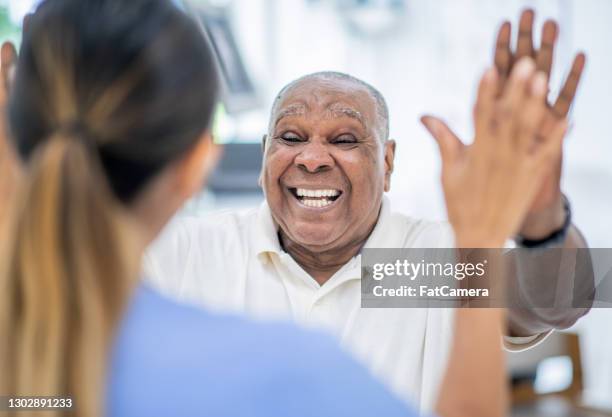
[(382, 110)]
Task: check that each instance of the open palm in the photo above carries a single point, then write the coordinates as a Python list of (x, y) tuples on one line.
[(505, 58)]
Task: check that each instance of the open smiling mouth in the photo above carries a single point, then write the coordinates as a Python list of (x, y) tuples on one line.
[(316, 198)]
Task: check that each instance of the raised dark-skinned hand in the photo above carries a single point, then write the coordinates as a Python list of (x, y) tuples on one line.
[(490, 185), (546, 213)]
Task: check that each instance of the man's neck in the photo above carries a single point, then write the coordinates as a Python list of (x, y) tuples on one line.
[(322, 265)]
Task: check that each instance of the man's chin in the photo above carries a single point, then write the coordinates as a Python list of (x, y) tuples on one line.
[(312, 235)]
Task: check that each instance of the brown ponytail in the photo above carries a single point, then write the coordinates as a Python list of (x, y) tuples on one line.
[(107, 93), (68, 272)]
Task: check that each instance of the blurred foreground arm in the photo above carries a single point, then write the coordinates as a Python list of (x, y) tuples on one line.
[(474, 384), (488, 188)]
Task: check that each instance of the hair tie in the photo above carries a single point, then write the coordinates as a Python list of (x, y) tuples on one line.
[(77, 130)]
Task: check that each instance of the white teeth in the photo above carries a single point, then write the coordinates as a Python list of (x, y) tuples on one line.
[(316, 203), (302, 192)]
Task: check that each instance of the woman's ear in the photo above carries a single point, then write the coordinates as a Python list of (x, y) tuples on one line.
[(196, 166), (175, 185)]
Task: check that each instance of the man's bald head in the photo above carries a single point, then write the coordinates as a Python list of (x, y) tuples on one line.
[(382, 111)]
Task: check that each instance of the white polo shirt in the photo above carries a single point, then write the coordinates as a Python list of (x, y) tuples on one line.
[(233, 261)]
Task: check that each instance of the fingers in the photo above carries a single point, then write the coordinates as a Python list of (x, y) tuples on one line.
[(8, 58), (503, 54), (547, 47), (512, 100), (448, 142), (8, 54), (568, 92), (533, 112), (485, 104), (524, 45)]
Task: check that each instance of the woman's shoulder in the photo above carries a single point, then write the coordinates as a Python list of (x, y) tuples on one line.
[(157, 330), (169, 357), (152, 314)]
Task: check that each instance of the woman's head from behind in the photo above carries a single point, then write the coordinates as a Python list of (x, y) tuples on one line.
[(131, 81), (109, 110)]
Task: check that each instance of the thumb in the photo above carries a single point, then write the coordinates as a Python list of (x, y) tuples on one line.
[(450, 145)]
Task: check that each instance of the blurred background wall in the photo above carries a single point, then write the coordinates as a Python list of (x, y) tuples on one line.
[(425, 57)]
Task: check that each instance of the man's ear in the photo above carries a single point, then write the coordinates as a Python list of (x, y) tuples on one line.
[(389, 162), (264, 140)]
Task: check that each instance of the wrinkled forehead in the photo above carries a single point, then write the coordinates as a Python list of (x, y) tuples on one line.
[(315, 98)]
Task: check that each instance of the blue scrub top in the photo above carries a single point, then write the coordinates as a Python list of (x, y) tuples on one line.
[(173, 360)]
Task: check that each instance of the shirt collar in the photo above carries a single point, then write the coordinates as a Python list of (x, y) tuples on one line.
[(384, 229), (266, 234)]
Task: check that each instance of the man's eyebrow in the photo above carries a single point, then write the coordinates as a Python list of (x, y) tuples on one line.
[(340, 111), (335, 110), (293, 110)]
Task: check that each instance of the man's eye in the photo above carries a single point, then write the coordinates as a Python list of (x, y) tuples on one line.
[(343, 139), (291, 137)]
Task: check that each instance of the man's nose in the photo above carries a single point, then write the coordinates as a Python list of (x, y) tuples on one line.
[(314, 158)]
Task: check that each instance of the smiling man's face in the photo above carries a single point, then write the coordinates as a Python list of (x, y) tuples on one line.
[(325, 165)]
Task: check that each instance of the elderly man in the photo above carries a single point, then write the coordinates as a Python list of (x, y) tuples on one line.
[(327, 164)]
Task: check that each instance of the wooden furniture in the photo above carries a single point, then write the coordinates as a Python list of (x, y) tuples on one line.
[(526, 402), (523, 366)]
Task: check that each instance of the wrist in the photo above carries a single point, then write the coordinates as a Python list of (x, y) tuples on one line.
[(556, 236), (540, 224), (474, 240)]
